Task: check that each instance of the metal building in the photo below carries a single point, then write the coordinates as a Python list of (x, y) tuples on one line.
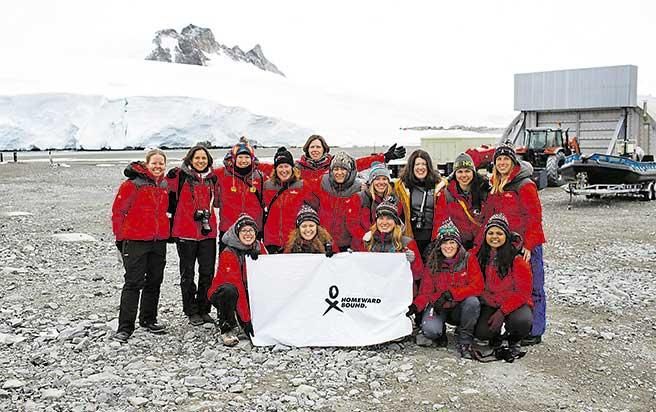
[(599, 105)]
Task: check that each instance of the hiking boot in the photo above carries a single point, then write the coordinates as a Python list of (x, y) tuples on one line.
[(121, 337), (422, 340), (467, 351), (196, 320), (532, 340), (229, 338), (154, 327), (442, 341), (207, 318), (516, 350)]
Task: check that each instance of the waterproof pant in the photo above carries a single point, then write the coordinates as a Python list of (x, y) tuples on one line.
[(144, 263), (194, 300), (518, 324), (274, 250), (538, 295), (464, 315), (224, 299)]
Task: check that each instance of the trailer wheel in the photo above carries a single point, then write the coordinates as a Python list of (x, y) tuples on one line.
[(650, 193), (553, 164)]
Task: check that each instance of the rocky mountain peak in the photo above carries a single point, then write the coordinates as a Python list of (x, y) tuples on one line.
[(197, 45)]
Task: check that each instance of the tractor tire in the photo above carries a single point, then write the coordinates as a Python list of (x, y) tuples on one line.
[(553, 164)]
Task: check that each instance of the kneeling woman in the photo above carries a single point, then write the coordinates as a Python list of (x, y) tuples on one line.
[(309, 236), (449, 291), (229, 290), (507, 295), (386, 236)]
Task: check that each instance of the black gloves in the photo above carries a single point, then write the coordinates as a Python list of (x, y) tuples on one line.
[(412, 310), (329, 249), (248, 329), (444, 298), (394, 153), (254, 253), (119, 245)]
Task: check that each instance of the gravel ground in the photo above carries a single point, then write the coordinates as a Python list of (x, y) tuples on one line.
[(60, 302)]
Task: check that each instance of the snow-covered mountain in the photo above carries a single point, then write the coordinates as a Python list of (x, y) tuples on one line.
[(80, 102), (197, 45)]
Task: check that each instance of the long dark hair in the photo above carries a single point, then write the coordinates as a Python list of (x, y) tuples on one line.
[(504, 257), (407, 175), (479, 189), (435, 258)]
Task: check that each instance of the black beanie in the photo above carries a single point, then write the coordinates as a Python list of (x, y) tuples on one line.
[(499, 220), (388, 208), (283, 156), (244, 220), (505, 149), (306, 213)]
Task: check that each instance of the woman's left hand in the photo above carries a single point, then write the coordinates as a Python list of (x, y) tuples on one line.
[(527, 255)]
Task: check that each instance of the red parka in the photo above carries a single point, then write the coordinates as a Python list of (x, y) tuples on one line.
[(510, 292), (282, 203), (459, 208), (198, 191), (311, 172), (232, 270), (521, 205), (239, 194), (463, 281), (339, 211), (140, 206)]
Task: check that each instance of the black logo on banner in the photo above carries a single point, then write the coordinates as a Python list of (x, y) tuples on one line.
[(333, 292)]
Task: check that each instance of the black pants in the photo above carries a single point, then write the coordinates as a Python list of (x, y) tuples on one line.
[(274, 250), (518, 323), (144, 263), (464, 315), (194, 300), (224, 299)]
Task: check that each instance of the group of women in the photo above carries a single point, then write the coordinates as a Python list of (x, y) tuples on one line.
[(474, 245)]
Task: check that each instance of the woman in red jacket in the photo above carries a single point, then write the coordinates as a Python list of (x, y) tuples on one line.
[(284, 193), (386, 236), (192, 199), (239, 187), (463, 200), (339, 204), (379, 187), (449, 292), (141, 227), (515, 195), (309, 236), (316, 159), (229, 290), (507, 295)]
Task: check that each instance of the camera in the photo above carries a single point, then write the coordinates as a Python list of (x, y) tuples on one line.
[(203, 216), (419, 222)]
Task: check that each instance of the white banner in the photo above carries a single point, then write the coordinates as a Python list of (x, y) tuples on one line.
[(351, 299)]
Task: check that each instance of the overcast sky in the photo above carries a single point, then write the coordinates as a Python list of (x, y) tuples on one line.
[(456, 55)]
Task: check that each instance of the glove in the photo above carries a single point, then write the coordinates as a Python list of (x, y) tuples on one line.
[(329, 250), (412, 310), (410, 255), (254, 253), (248, 329), (444, 298), (495, 321), (394, 153), (119, 245)]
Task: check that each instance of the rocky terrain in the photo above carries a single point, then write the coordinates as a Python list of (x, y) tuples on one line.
[(197, 45), (61, 285)]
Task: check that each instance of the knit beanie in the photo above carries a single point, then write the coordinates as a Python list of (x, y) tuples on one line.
[(378, 169), (343, 160), (464, 161), (244, 220), (505, 149), (499, 220), (389, 208), (242, 148), (448, 231), (283, 156), (306, 213)]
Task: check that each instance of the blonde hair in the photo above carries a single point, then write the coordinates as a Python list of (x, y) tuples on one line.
[(295, 177), (153, 152), (498, 182), (397, 235), (388, 191)]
